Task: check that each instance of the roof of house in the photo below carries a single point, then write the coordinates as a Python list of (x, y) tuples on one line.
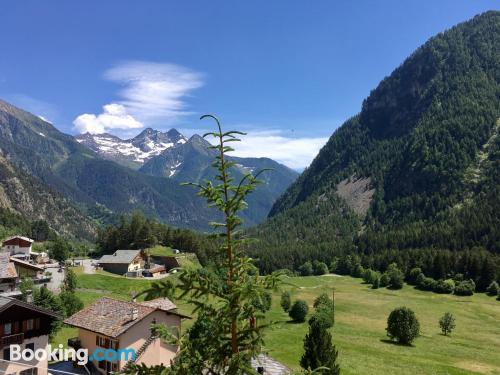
[(6, 302), (120, 257), (160, 303), (22, 263), (7, 268), (20, 237), (111, 317)]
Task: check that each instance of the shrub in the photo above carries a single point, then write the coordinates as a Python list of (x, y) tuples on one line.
[(444, 286), (458, 277), (319, 268), (384, 280), (420, 279), (368, 276), (306, 269), (396, 276), (286, 301), (376, 283), (333, 265), (447, 323), (413, 275), (427, 283), (358, 271), (322, 317), (493, 289), (402, 325), (298, 311), (465, 288), (325, 310)]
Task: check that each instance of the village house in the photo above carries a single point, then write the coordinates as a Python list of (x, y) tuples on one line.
[(28, 326), (9, 277), (124, 262), (113, 324), (18, 246)]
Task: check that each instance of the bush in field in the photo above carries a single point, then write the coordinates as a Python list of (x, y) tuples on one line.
[(286, 301), (298, 311), (414, 275), (376, 283), (325, 310), (306, 269), (319, 268), (447, 323), (384, 280), (444, 286), (493, 289), (465, 288), (358, 271), (396, 276), (369, 275), (426, 283), (403, 325)]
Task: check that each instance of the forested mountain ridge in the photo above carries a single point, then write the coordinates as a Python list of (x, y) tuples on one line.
[(426, 140), (28, 197)]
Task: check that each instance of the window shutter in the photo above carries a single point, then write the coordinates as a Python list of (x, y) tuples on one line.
[(37, 323), (1, 330), (25, 326), (15, 327), (97, 340)]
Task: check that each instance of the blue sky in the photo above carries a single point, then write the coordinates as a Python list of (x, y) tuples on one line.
[(288, 72)]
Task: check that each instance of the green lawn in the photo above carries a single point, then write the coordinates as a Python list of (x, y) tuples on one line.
[(359, 331), (160, 251)]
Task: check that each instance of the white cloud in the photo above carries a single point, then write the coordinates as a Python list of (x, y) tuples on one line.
[(152, 92), (114, 116), (296, 153)]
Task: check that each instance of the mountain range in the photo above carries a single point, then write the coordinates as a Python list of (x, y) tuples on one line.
[(103, 175), (418, 167)]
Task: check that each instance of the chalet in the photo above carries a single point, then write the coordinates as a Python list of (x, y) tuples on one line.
[(18, 246), (27, 270), (110, 323), (28, 326), (8, 276), (154, 270), (129, 262)]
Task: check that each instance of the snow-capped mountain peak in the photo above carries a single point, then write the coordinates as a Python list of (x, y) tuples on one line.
[(137, 150)]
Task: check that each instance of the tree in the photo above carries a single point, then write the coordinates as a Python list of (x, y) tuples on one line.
[(26, 287), (319, 268), (403, 326), (286, 301), (70, 281), (325, 310), (59, 250), (43, 297), (319, 352), (465, 288), (298, 311), (447, 323), (396, 276), (71, 303), (306, 269), (414, 275), (225, 294), (493, 289), (384, 280)]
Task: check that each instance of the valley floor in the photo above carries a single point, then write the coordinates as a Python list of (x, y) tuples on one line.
[(359, 331)]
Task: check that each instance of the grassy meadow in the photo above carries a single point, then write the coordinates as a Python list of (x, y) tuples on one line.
[(359, 331)]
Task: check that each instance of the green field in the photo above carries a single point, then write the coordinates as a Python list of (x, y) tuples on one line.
[(359, 331)]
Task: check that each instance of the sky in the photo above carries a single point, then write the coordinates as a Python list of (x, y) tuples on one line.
[(287, 72)]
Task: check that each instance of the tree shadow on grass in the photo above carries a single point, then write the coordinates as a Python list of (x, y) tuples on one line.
[(392, 342)]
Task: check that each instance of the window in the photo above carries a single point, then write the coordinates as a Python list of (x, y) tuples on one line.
[(6, 354), (30, 324), (7, 329)]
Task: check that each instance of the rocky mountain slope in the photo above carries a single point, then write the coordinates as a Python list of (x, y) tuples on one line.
[(135, 151), (419, 164)]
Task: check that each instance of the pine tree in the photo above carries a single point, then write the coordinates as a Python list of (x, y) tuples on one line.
[(319, 351)]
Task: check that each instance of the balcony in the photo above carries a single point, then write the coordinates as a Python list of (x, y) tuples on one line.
[(75, 343), (12, 339)]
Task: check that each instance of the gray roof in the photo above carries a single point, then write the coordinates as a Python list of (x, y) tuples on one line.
[(7, 268), (120, 257), (6, 302)]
